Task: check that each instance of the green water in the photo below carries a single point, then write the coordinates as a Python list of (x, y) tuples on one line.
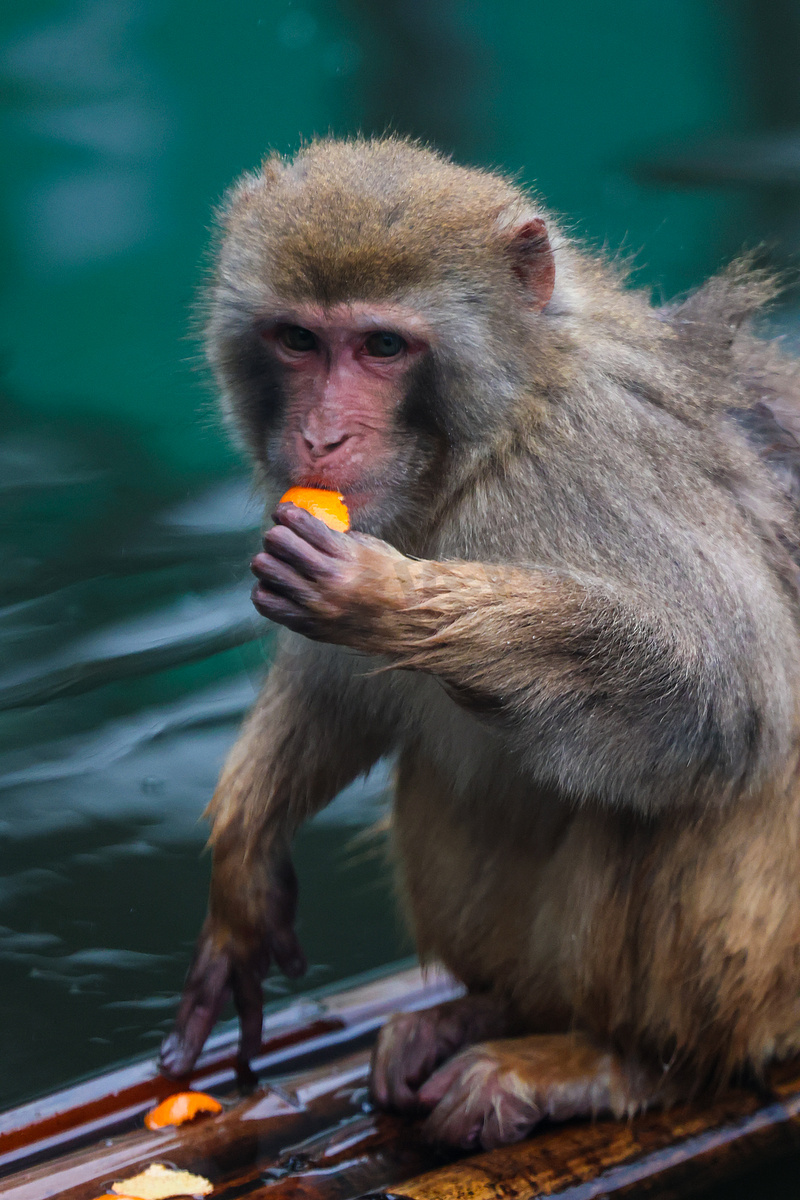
[(131, 652), (129, 649)]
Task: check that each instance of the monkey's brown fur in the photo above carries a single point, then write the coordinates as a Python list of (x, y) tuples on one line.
[(595, 608)]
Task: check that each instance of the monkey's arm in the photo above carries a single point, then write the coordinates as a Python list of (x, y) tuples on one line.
[(604, 693), (314, 728)]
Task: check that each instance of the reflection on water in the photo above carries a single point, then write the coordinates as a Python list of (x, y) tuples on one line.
[(130, 653)]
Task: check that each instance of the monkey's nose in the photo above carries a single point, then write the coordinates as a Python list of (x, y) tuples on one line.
[(319, 448)]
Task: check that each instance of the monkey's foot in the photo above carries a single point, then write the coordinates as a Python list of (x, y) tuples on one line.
[(412, 1045), (496, 1093)]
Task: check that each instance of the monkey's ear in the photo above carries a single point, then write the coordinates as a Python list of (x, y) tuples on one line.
[(532, 261)]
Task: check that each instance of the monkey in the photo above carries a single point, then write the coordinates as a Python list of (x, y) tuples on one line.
[(568, 605)]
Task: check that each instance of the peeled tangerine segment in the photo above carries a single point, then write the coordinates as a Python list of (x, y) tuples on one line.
[(160, 1183), (183, 1106), (327, 506)]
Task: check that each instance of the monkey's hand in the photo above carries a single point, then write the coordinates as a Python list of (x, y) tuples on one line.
[(242, 936), (330, 586)]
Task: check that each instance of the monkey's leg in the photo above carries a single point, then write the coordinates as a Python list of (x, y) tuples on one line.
[(411, 1046), (496, 1093)]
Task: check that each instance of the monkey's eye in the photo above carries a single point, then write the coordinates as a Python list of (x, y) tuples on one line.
[(294, 337), (384, 345)]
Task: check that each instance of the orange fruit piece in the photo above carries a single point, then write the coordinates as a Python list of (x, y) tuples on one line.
[(327, 506), (183, 1106)]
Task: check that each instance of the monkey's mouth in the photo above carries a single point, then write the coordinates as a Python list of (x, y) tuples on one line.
[(312, 480)]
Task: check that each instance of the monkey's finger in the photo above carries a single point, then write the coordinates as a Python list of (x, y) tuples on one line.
[(275, 576), (457, 1117), (482, 1110), (412, 1066), (284, 544), (378, 1089), (389, 1080), (509, 1118), (249, 1003), (311, 529), (202, 1003), (440, 1082), (288, 953), (382, 1055), (207, 976), (453, 1124), (280, 610)]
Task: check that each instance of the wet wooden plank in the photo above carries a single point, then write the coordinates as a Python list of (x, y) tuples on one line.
[(305, 1138), (250, 1134), (311, 1135), (363, 1153), (672, 1154), (317, 1026)]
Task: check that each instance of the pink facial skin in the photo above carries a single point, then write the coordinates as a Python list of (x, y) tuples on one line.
[(343, 389)]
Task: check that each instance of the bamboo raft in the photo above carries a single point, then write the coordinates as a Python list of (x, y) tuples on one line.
[(307, 1131)]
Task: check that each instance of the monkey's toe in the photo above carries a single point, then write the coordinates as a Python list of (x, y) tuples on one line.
[(477, 1101), (496, 1092), (405, 1055)]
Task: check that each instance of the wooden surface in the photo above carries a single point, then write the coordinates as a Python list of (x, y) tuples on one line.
[(68, 1131), (308, 1133)]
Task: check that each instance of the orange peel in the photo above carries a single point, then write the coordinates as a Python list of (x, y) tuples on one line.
[(180, 1107), (159, 1182), (325, 505)]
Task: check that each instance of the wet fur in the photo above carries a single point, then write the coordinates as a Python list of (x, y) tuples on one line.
[(598, 810)]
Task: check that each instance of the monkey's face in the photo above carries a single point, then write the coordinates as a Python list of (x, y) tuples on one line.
[(375, 318), (344, 374), (339, 397)]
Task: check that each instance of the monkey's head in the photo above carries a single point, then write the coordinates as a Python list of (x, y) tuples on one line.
[(376, 322)]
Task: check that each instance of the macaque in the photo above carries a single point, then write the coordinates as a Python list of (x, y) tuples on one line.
[(568, 605)]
